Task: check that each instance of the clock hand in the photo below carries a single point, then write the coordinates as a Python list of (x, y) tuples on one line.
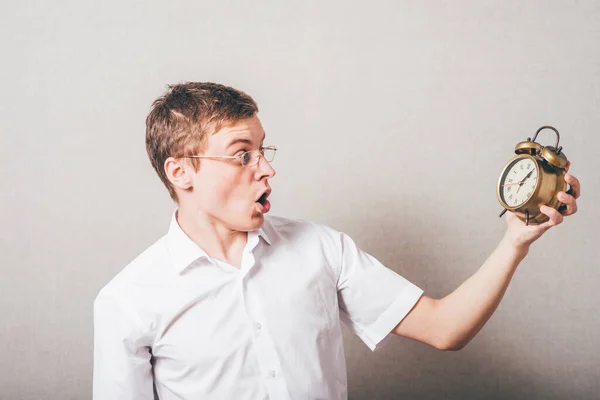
[(523, 180), (528, 175)]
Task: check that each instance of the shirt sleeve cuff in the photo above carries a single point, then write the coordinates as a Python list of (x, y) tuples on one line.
[(378, 333)]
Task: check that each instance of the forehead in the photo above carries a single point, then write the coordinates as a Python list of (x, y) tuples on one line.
[(249, 131)]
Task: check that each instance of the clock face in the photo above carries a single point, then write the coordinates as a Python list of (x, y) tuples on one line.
[(518, 181)]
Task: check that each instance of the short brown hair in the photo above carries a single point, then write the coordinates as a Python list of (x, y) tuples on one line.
[(181, 118)]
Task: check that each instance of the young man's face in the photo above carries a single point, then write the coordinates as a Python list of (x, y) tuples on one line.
[(227, 191)]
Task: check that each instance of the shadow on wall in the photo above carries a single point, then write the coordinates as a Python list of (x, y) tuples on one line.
[(436, 255)]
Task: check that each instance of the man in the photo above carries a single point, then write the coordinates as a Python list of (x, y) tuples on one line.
[(231, 304)]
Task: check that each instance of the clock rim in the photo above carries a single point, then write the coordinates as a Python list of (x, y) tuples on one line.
[(535, 190)]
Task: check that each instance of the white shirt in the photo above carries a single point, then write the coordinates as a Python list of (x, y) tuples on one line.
[(187, 326)]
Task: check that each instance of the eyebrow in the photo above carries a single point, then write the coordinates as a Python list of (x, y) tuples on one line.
[(246, 141)]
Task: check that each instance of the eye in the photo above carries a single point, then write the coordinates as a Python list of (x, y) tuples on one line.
[(246, 158), (240, 153)]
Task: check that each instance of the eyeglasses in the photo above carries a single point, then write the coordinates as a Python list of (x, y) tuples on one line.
[(248, 158)]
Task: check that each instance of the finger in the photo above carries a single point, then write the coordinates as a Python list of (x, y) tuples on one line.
[(545, 226), (575, 186), (555, 217), (570, 204)]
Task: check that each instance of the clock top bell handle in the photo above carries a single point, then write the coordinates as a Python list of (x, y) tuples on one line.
[(558, 149), (553, 155)]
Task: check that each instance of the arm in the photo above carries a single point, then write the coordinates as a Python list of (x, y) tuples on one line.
[(122, 369), (450, 323)]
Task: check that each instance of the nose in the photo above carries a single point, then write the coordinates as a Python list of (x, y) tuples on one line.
[(264, 168)]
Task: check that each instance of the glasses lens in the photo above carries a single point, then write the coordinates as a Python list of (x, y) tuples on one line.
[(247, 158), (269, 154), (250, 158)]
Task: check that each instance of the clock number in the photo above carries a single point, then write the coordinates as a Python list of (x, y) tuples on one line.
[(521, 166), (529, 166), (510, 197)]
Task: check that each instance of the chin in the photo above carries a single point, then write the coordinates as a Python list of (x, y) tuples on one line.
[(257, 222), (252, 224)]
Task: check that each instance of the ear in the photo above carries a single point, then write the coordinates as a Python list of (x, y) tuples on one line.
[(179, 173)]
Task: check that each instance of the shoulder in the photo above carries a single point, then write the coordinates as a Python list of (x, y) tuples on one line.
[(301, 233), (135, 281), (295, 226)]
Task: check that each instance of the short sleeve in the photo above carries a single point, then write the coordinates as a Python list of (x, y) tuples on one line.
[(372, 298)]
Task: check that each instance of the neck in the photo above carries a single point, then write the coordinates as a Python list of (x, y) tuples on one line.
[(215, 239)]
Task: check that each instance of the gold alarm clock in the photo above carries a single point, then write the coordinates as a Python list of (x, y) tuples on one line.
[(533, 178)]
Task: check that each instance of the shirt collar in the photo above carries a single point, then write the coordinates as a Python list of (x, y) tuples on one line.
[(184, 251)]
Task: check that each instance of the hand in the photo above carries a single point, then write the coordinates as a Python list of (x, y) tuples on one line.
[(522, 236)]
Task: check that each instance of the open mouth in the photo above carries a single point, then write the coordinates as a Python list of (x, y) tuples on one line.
[(263, 199), (264, 204)]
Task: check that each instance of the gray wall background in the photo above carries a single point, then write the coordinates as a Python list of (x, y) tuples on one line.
[(393, 121)]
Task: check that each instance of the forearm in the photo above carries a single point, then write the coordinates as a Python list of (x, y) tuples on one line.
[(463, 313)]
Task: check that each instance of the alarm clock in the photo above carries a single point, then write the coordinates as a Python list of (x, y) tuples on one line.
[(533, 178)]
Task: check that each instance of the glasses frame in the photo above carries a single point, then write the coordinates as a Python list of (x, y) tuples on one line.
[(261, 153)]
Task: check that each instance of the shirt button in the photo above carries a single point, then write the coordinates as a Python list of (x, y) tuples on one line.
[(272, 374), (258, 326)]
